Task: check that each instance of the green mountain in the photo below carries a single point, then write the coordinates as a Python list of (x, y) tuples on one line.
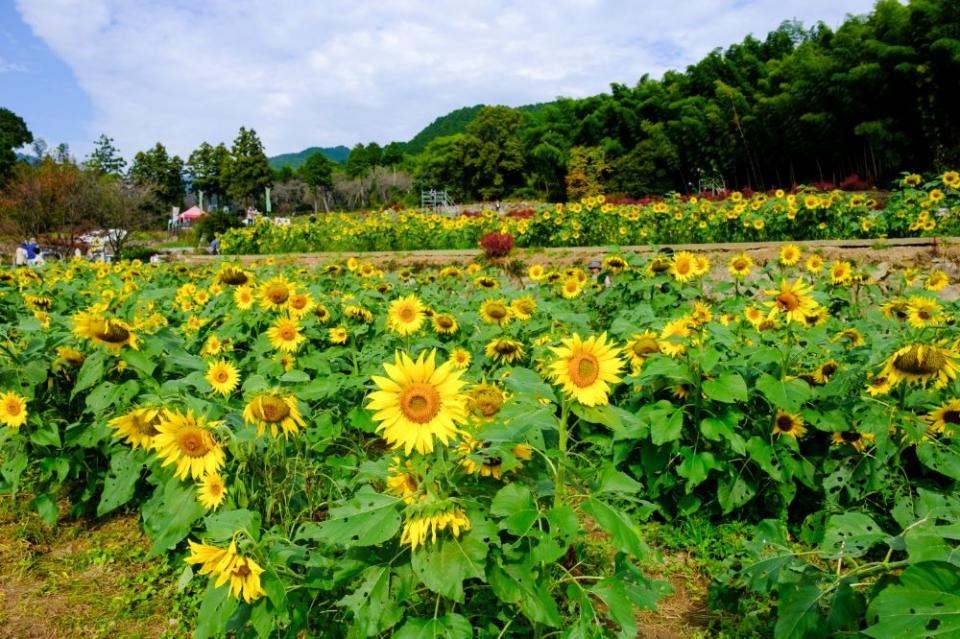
[(336, 153), (454, 122)]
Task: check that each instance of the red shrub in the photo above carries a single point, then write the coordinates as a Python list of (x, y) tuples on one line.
[(497, 244)]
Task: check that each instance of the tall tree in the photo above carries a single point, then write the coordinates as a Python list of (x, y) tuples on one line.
[(317, 172), (161, 174), (13, 134), (105, 159), (205, 171), (247, 172)]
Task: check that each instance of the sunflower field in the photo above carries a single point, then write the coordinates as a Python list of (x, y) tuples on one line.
[(914, 209), (470, 452)]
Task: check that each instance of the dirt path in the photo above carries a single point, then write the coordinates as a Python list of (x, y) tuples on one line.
[(82, 579)]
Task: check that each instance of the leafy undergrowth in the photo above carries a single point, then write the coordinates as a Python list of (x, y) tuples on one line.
[(85, 579)]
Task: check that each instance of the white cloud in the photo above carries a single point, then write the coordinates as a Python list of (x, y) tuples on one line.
[(11, 67), (339, 72)]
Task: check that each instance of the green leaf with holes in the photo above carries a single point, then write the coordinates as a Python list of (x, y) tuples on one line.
[(788, 395), (368, 519), (925, 603), (373, 606), (444, 566), (727, 388), (452, 626), (851, 535)]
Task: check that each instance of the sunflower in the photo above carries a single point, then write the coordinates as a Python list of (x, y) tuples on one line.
[(854, 438), (484, 401), (790, 254), (682, 267), (701, 313), (615, 264), (641, 346), (659, 264), (299, 304), (460, 357), (821, 374), (814, 264), (233, 276), (244, 577), (945, 419), (276, 411), (673, 335), (740, 265), (585, 368), (788, 425), (211, 491), (571, 288), (793, 300), (212, 346), (359, 313), (275, 293), (402, 480), (212, 560), (222, 376), (523, 308), (841, 272), (923, 311), (495, 311), (754, 315), (936, 281), (504, 350), (13, 409), (322, 313), (111, 333), (67, 356), (338, 335), (922, 363), (405, 315), (139, 426), (896, 309), (536, 272), (285, 335), (951, 179), (186, 441), (878, 385), (701, 265), (444, 323), (418, 401), (850, 337), (243, 297), (417, 528), (487, 282)]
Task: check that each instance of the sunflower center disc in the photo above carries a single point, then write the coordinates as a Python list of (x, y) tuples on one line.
[(273, 409), (278, 294), (420, 403), (192, 444), (787, 301), (13, 408), (952, 417), (407, 314), (584, 369), (850, 437), (113, 333), (911, 362), (784, 423)]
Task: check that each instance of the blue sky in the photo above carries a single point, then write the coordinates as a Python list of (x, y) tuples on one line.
[(339, 71), (38, 85)]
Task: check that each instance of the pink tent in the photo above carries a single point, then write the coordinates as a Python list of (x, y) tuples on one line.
[(192, 214)]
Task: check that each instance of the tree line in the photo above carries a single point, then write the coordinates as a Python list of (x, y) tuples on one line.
[(876, 96)]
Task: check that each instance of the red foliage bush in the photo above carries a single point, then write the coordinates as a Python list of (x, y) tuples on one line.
[(854, 183), (497, 244)]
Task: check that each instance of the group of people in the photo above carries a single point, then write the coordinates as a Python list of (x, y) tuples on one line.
[(28, 254)]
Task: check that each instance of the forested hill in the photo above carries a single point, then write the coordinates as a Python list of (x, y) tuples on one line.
[(338, 154), (874, 97)]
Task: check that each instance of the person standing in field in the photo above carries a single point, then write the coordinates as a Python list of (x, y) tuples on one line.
[(599, 276)]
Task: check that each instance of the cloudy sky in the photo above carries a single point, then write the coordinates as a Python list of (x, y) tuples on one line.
[(328, 72)]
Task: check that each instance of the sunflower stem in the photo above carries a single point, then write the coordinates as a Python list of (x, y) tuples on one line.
[(562, 448)]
